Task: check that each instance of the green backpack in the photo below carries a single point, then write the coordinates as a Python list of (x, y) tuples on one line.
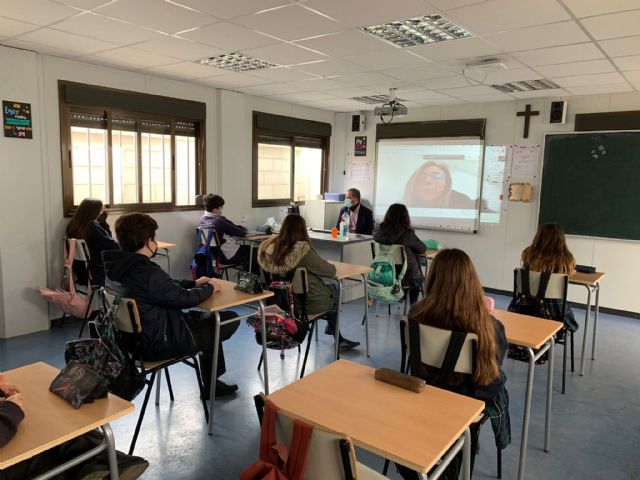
[(385, 285)]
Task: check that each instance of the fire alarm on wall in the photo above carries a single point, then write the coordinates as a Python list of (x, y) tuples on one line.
[(558, 112)]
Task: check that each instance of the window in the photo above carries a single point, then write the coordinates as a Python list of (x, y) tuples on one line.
[(290, 159), (129, 159)]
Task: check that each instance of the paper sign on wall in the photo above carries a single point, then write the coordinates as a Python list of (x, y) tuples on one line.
[(359, 170), (526, 160)]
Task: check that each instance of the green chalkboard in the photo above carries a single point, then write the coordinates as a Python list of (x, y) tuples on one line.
[(591, 183)]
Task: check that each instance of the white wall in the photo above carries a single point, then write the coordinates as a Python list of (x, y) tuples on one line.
[(495, 249), (32, 224)]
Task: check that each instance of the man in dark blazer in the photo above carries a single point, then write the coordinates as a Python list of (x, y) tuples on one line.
[(360, 217)]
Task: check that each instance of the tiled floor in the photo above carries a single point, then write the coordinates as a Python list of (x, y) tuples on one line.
[(595, 426)]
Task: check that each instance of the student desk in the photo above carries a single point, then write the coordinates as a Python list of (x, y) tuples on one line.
[(346, 271), (253, 241), (591, 281), (166, 246), (225, 299), (413, 429), (534, 334), (50, 421)]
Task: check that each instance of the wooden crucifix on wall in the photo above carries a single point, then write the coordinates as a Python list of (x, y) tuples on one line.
[(527, 114)]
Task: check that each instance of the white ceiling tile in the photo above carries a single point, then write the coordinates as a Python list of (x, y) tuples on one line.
[(564, 54), (632, 75), (326, 68), (362, 13), (552, 93), (229, 9), (319, 85), (492, 97), (40, 12), (83, 4), (576, 68), (628, 63), (231, 80), (11, 28), (292, 22), (370, 79), (282, 74), (597, 79), (469, 47), (40, 48), (542, 36), (587, 8), (179, 48), (66, 41), (469, 91), (419, 73), (106, 29), (133, 57), (636, 85), (313, 96), (501, 15), (621, 47), (448, 82), (351, 92), (347, 43), (284, 54), (613, 26), (451, 4), (597, 89), (158, 15), (420, 94), (396, 58), (442, 101), (230, 37), (506, 76), (187, 70), (280, 89)]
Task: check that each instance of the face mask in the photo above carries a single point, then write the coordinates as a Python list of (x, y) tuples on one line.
[(347, 202), (154, 252)]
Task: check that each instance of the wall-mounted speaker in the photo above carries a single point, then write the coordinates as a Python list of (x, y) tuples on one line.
[(558, 113), (357, 123)]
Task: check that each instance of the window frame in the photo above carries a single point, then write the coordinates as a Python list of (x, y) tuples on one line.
[(65, 110), (296, 139)]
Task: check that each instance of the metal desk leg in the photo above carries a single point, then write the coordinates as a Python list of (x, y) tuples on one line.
[(264, 348), (111, 452), (547, 412), (336, 332), (251, 244), (527, 413), (366, 312), (166, 254), (595, 322), (586, 330), (466, 455), (214, 367)]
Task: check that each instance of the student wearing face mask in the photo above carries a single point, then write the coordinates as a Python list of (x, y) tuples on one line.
[(360, 217), (169, 329)]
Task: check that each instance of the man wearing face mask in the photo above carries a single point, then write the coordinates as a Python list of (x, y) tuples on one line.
[(169, 329), (360, 217)]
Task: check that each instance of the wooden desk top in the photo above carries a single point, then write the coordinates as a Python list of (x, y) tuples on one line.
[(526, 330), (50, 421), (347, 270), (230, 297), (257, 238), (352, 238), (166, 245), (413, 429), (430, 253), (579, 278)]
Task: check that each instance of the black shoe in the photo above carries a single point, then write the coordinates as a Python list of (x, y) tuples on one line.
[(130, 468), (225, 389), (328, 330), (346, 344)]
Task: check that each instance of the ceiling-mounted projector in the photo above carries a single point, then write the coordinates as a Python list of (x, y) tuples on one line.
[(391, 108)]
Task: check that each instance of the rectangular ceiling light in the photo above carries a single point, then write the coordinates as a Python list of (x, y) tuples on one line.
[(526, 86), (373, 99), (418, 31), (237, 62)]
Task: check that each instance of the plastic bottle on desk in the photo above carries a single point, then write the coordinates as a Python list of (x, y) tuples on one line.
[(344, 226)]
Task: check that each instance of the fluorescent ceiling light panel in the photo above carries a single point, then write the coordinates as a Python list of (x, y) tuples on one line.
[(526, 86), (373, 99), (237, 62), (418, 31)]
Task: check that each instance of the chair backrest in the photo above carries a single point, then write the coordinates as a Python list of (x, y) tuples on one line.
[(205, 239), (556, 289), (82, 250), (434, 343), (127, 318), (300, 281)]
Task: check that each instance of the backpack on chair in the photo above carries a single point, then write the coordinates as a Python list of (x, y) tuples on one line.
[(202, 263), (385, 283)]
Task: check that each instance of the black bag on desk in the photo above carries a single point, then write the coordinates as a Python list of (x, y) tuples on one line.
[(78, 383), (248, 283)]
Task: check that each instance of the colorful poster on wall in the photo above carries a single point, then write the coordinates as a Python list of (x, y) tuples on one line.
[(360, 148), (17, 119)]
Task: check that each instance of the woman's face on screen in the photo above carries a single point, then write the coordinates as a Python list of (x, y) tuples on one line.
[(432, 183)]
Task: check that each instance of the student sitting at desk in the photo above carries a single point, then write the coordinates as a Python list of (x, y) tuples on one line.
[(454, 300), (360, 217), (549, 253), (96, 468), (167, 330), (213, 218), (89, 223), (395, 229), (291, 249)]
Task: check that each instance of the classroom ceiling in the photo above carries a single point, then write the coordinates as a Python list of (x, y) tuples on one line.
[(324, 59)]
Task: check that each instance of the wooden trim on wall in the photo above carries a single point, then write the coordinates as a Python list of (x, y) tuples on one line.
[(603, 121), (432, 129)]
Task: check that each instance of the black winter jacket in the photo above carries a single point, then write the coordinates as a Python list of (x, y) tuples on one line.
[(160, 300)]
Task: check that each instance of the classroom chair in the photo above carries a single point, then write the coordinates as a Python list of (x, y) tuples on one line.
[(128, 322), (556, 290), (331, 454), (450, 352), (209, 238), (82, 275)]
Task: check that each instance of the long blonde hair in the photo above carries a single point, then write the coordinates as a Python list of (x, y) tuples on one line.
[(411, 198), (548, 252), (454, 300)]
